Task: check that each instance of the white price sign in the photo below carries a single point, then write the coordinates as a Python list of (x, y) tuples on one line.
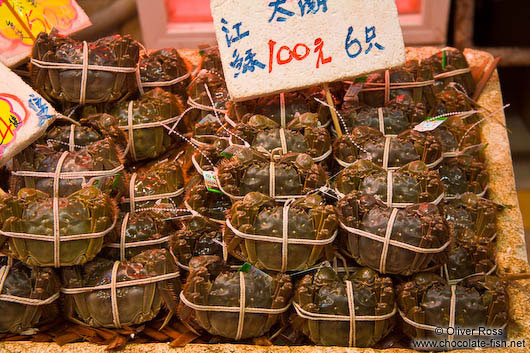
[(271, 46)]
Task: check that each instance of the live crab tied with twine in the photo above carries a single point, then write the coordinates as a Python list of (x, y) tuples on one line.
[(392, 240), (44, 230), (427, 304), (355, 309), (66, 70), (149, 123), (156, 185), (419, 80), (132, 292), (233, 304), (27, 296), (288, 237), (411, 184), (282, 177)]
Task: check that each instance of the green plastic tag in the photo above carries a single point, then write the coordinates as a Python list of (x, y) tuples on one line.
[(116, 180), (444, 60)]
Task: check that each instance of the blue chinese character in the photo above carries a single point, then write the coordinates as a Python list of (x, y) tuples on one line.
[(40, 107), (251, 62), (230, 38), (370, 35), (248, 63), (237, 63), (350, 42), (312, 6), (277, 8)]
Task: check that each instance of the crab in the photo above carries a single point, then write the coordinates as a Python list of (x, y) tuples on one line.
[(136, 303), (98, 157), (324, 292), (85, 211), (210, 283), (446, 61), (481, 302), (302, 135), (155, 106), (64, 85), (197, 237), (411, 72), (199, 97), (308, 218), (473, 224), (211, 59), (399, 115), (162, 66), (28, 282), (140, 226), (207, 203), (93, 128), (420, 225), (367, 143), (465, 173), (412, 183), (164, 178), (457, 136), (249, 170)]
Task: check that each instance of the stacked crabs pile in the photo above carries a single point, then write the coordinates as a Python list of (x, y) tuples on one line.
[(159, 198)]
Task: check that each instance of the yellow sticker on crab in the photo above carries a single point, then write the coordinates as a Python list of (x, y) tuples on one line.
[(23, 20)]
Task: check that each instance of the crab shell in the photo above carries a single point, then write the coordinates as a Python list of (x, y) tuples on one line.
[(426, 298), (136, 304), (26, 282), (395, 120), (368, 143), (218, 92), (206, 285), (209, 204), (64, 85), (412, 183), (324, 292), (473, 224), (99, 156), (308, 218), (197, 237), (85, 211), (211, 60), (465, 173), (302, 135), (249, 171), (161, 177), (141, 226), (155, 106), (419, 225), (412, 71), (165, 65), (454, 60), (93, 128)]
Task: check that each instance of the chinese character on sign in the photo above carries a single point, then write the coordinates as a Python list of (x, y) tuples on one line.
[(353, 45), (278, 9), (370, 35), (312, 6), (246, 63), (233, 38)]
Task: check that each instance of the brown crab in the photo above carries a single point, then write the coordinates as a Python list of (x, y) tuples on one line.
[(308, 218), (249, 171), (412, 183), (420, 225), (210, 283), (324, 292)]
